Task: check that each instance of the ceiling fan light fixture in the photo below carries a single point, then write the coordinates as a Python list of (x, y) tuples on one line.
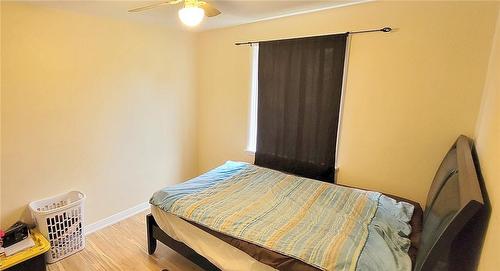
[(191, 16)]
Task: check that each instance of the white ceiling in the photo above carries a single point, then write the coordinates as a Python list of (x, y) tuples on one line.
[(234, 12)]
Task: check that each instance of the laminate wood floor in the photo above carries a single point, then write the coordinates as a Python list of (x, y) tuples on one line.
[(123, 246)]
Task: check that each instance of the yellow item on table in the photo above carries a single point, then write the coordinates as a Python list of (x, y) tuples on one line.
[(41, 246)]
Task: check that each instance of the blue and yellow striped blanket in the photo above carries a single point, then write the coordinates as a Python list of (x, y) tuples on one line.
[(322, 224)]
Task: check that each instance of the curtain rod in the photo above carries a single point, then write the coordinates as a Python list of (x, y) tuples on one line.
[(385, 29)]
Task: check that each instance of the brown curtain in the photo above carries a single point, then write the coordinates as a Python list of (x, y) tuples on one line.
[(300, 85)]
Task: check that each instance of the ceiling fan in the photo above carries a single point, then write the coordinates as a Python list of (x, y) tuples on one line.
[(191, 14)]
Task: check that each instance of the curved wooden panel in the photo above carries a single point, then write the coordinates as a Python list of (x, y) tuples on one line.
[(454, 199)]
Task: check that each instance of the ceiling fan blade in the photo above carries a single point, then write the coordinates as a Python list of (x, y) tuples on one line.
[(210, 11), (171, 2)]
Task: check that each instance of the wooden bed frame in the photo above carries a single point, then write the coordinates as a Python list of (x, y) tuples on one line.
[(155, 233), (454, 203)]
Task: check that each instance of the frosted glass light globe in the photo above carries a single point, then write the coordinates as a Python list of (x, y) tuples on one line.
[(191, 16)]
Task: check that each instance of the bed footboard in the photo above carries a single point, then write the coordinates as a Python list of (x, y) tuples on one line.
[(155, 233)]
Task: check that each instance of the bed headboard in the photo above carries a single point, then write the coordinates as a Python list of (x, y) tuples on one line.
[(454, 199)]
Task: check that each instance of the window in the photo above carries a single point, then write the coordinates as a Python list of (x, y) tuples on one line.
[(252, 129), (299, 97)]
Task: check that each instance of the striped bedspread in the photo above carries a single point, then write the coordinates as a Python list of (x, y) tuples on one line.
[(323, 225)]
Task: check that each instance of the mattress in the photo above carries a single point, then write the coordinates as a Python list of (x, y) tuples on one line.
[(379, 253), (214, 249)]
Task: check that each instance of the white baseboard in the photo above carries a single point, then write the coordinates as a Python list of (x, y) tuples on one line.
[(116, 218)]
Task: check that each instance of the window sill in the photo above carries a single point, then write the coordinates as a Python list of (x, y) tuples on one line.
[(251, 152)]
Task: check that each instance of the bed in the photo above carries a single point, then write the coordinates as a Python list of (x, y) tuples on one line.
[(242, 217)]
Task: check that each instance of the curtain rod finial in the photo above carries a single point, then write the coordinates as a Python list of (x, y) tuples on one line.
[(386, 29)]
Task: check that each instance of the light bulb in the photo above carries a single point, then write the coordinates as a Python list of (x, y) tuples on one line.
[(191, 16)]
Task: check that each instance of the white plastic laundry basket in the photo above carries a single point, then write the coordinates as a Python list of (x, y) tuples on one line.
[(60, 220)]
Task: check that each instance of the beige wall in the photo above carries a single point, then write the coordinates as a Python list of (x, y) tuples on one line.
[(488, 149), (103, 106), (409, 93), (1, 204)]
